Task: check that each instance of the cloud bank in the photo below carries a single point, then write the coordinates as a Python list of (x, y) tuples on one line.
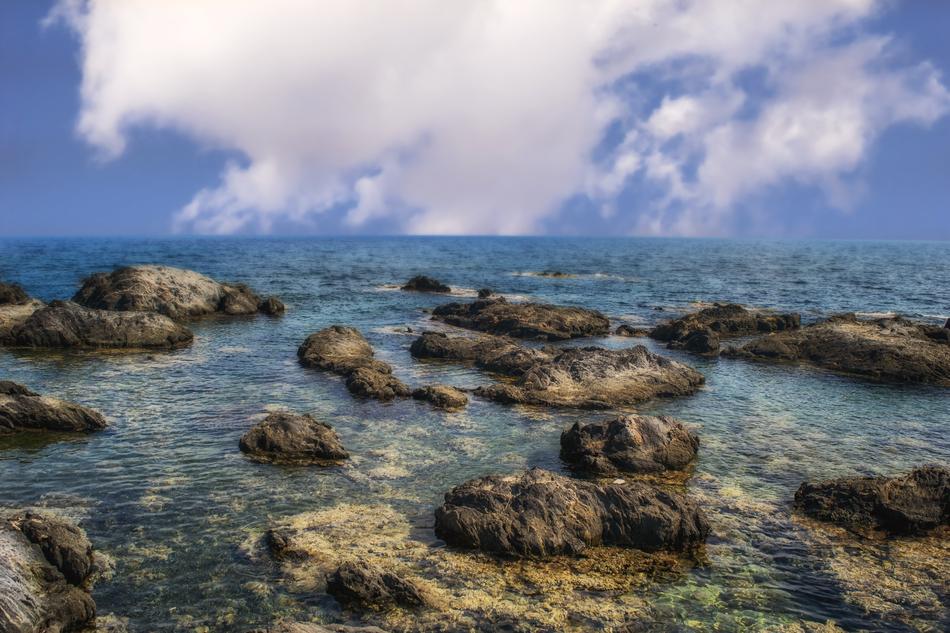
[(485, 116)]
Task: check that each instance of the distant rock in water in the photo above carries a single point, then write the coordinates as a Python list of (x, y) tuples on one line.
[(363, 584), (174, 292), (67, 324), (908, 504), (496, 315), (890, 349), (422, 283), (293, 438), (630, 331), (635, 444), (12, 294), (539, 513), (442, 397), (24, 410), (484, 293), (701, 331), (492, 353)]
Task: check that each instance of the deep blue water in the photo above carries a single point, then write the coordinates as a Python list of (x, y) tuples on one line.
[(167, 496)]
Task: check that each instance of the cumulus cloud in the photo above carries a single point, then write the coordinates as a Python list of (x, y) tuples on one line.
[(485, 116)]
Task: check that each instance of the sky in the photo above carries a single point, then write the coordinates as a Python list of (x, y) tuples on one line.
[(816, 118)]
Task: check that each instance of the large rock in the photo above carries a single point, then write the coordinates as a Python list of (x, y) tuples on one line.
[(442, 397), (67, 324), (635, 443), (174, 292), (12, 294), (363, 584), (24, 410), (292, 438), (492, 353), (889, 349), (422, 283), (496, 315), (700, 331), (540, 513), (907, 504)]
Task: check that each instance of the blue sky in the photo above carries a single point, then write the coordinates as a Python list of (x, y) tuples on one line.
[(824, 122)]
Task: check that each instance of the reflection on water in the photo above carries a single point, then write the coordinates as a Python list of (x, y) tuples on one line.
[(166, 495)]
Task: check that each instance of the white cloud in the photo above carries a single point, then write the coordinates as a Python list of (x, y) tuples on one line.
[(484, 116)]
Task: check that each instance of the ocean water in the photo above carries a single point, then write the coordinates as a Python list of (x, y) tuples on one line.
[(167, 497)]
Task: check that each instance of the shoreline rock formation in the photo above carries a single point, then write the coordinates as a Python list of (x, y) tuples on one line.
[(423, 283), (701, 331), (495, 315), (292, 438), (25, 410), (362, 584)]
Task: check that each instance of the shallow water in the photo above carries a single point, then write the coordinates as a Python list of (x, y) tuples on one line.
[(168, 497)]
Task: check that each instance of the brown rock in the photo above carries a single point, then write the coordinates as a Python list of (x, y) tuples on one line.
[(12, 294), (24, 410), (363, 584), (293, 438), (492, 353), (496, 315), (442, 397), (422, 283), (700, 331)]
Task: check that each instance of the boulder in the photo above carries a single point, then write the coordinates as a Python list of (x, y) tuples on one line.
[(370, 382), (912, 503), (272, 306), (496, 315), (24, 410), (539, 513), (67, 324), (422, 283), (16, 314), (288, 626), (362, 584), (630, 331), (12, 294), (293, 438), (442, 397), (634, 443), (700, 331), (492, 353), (890, 349)]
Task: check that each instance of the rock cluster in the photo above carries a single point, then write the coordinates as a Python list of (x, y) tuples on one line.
[(496, 315), (701, 331), (363, 584), (292, 438), (422, 283), (24, 410)]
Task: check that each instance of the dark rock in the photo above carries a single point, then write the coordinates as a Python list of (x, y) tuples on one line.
[(484, 293), (288, 437), (720, 321), (636, 444), (907, 504), (630, 331), (421, 283), (288, 626), (704, 341), (947, 324), (492, 353), (24, 410), (539, 513), (272, 306), (16, 314), (442, 397), (365, 585), (12, 294), (63, 544), (369, 382), (496, 315)]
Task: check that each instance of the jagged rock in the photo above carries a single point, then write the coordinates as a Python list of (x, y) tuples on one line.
[(24, 410), (630, 331), (907, 504), (174, 292), (442, 396), (422, 283), (311, 627), (700, 331), (492, 353), (272, 306), (67, 324), (636, 443), (889, 349), (363, 584), (12, 294), (293, 438), (539, 513), (496, 315)]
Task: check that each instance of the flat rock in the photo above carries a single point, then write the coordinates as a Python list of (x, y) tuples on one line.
[(889, 349), (701, 331), (24, 410), (907, 504), (495, 315), (539, 513), (293, 438), (492, 353), (364, 584), (634, 443), (442, 397), (422, 283)]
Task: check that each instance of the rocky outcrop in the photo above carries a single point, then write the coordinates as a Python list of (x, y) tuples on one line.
[(496, 315), (907, 504), (46, 565), (174, 292), (272, 306), (889, 349), (362, 584), (492, 353), (24, 410), (539, 513), (67, 324), (288, 626), (701, 331), (635, 443), (422, 283), (442, 397), (12, 294), (630, 331), (343, 350), (292, 438)]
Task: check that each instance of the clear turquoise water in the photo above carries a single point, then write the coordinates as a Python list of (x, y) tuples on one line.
[(167, 495)]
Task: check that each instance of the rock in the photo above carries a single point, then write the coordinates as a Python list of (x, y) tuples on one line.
[(484, 293), (496, 315), (288, 626), (63, 544), (492, 353), (597, 378), (293, 438), (365, 585), (14, 314), (421, 283), (12, 294), (272, 306), (700, 331), (630, 331), (890, 349), (636, 444), (704, 341), (442, 397), (907, 504), (554, 274), (24, 410), (174, 292), (539, 513), (369, 382), (67, 324), (947, 324)]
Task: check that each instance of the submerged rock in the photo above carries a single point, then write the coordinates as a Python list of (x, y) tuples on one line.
[(363, 584), (289, 437), (700, 331), (442, 396), (12, 294), (636, 443), (907, 504), (539, 513), (630, 331), (496, 315), (24, 410), (422, 283), (492, 353), (889, 349)]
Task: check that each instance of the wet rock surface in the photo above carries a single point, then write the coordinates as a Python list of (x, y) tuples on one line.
[(293, 438), (635, 443), (312, 627), (492, 353), (630, 331), (495, 315), (362, 584), (701, 331), (889, 349), (370, 382), (442, 397), (24, 410), (423, 283), (907, 504)]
